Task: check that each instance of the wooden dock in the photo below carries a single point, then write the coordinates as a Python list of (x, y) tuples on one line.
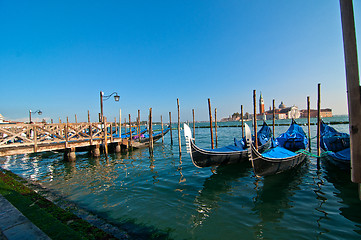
[(24, 138)]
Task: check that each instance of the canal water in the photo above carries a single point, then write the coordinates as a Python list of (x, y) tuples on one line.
[(166, 196)]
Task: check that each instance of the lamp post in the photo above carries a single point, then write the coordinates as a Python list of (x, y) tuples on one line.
[(37, 111), (104, 98)]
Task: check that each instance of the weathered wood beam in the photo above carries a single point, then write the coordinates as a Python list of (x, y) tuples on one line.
[(353, 86)]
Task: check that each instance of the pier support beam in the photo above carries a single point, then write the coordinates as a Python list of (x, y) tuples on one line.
[(95, 151), (69, 154), (118, 148)]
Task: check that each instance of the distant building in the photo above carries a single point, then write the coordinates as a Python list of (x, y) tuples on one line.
[(282, 112), (261, 105), (326, 112), (1, 118)]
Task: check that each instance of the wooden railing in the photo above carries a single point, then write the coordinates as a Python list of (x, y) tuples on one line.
[(45, 137)]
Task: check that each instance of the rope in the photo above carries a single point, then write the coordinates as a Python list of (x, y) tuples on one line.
[(312, 154)]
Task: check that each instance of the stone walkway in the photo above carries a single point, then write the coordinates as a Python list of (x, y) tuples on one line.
[(15, 226)]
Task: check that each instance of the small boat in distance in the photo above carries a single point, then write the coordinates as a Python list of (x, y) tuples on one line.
[(235, 153), (134, 133), (144, 139), (287, 152), (336, 146)]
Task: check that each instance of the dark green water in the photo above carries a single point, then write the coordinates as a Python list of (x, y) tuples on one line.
[(166, 196)]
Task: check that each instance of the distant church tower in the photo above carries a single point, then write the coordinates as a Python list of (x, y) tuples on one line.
[(261, 104)]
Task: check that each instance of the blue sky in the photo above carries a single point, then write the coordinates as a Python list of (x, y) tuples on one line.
[(58, 55)]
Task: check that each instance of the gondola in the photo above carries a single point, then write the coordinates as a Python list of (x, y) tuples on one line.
[(134, 133), (144, 139), (156, 135), (336, 146), (287, 151), (236, 153)]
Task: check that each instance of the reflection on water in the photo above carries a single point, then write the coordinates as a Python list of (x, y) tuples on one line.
[(220, 182), (179, 169), (347, 192), (274, 198), (164, 195)]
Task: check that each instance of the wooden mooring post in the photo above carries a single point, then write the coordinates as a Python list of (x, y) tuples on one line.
[(120, 122), (194, 126), (274, 118), (170, 125), (318, 125), (138, 124), (115, 125), (161, 125), (150, 132), (66, 133), (353, 88), (179, 138), (131, 134), (90, 129), (105, 142), (309, 122), (255, 119), (210, 122), (125, 125), (215, 125), (242, 121)]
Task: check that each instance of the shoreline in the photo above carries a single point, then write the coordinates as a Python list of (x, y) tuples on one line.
[(57, 212)]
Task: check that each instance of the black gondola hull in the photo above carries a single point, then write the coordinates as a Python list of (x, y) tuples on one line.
[(204, 158), (264, 166), (144, 142), (339, 163)]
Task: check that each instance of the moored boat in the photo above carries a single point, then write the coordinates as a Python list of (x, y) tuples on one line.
[(231, 154), (336, 146), (287, 151), (144, 139)]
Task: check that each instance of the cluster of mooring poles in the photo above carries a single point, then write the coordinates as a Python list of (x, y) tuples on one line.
[(92, 132)]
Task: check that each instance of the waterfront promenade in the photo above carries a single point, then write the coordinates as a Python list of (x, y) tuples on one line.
[(15, 226)]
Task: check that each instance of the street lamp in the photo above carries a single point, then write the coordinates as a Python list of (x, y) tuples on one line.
[(37, 111), (102, 97)]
